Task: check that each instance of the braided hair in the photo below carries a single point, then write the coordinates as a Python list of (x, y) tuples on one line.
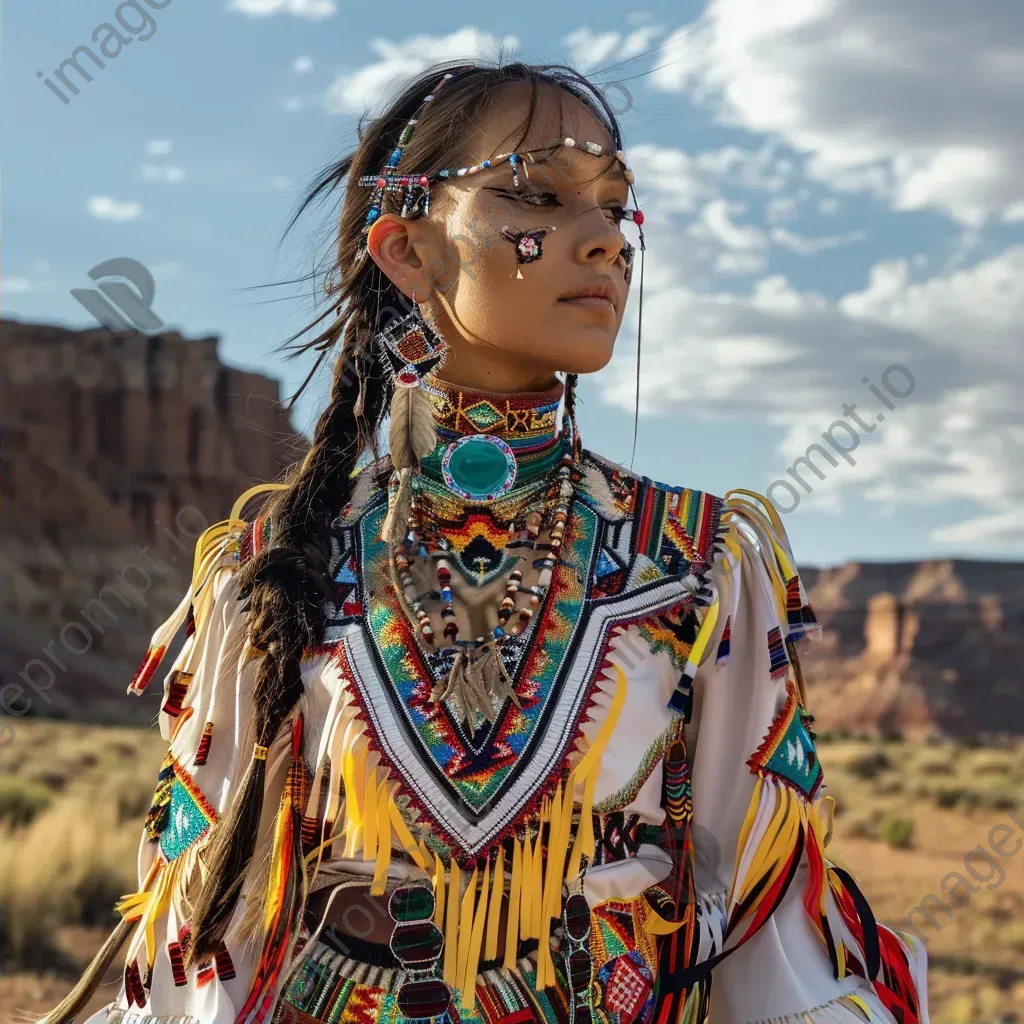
[(284, 585)]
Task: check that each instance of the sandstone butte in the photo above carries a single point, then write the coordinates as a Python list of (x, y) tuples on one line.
[(108, 438)]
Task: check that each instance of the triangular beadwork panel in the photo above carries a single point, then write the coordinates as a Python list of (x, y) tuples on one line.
[(787, 752), (189, 818)]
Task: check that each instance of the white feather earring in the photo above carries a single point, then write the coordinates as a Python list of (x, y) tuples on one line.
[(412, 348)]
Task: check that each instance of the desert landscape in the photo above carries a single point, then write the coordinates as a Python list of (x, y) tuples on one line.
[(112, 464)]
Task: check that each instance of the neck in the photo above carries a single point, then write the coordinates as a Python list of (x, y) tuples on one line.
[(490, 370)]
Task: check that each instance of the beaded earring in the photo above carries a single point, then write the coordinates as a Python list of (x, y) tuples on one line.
[(412, 349)]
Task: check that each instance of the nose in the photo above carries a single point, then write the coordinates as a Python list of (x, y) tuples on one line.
[(598, 240)]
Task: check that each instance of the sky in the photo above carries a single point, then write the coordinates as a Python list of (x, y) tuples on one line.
[(833, 194)]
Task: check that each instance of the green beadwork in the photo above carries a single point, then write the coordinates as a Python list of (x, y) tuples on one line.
[(483, 415)]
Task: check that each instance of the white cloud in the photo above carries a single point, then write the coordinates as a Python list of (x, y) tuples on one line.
[(805, 246), (918, 102), (367, 87), (315, 10), (672, 179), (747, 168), (792, 358), (715, 223), (108, 208), (302, 65), (780, 208), (158, 147), (39, 280), (740, 263), (163, 172), (588, 50)]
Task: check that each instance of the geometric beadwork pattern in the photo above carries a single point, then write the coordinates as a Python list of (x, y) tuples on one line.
[(787, 752), (190, 818)]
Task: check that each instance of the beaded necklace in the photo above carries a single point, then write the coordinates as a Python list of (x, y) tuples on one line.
[(500, 464)]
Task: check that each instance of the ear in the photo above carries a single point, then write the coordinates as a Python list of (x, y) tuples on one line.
[(410, 252)]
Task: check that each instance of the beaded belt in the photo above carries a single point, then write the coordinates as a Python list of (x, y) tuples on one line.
[(358, 982)]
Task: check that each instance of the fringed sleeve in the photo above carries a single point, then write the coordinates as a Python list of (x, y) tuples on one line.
[(207, 718), (788, 935)]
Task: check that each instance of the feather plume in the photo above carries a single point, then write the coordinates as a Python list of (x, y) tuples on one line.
[(442, 691), (413, 435), (478, 698), (396, 523)]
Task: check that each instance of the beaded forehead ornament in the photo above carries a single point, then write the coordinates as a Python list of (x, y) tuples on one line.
[(417, 186)]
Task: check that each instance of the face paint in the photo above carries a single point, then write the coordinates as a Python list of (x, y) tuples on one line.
[(628, 252), (527, 243)]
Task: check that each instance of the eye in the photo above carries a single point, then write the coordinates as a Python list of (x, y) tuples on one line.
[(535, 197), (618, 213)]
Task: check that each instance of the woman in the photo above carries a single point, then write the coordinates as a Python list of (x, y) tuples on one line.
[(488, 728)]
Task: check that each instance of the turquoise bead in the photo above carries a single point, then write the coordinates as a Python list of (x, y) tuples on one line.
[(478, 467)]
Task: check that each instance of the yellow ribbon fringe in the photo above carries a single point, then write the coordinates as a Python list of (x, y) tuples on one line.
[(363, 793)]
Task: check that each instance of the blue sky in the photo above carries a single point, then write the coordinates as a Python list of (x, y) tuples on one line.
[(832, 188)]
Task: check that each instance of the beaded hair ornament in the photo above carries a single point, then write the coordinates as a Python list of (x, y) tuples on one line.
[(412, 348), (417, 186)]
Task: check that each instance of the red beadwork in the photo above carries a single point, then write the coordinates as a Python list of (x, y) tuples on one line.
[(638, 217)]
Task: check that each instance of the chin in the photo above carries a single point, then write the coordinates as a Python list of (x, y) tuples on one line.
[(586, 355)]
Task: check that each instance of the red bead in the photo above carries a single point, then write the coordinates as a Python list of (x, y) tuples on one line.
[(424, 180), (381, 182), (638, 217)]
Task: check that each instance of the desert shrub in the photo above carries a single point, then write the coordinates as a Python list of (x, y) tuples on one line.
[(990, 765), (890, 784), (948, 797), (21, 800), (1002, 801), (932, 768), (862, 828), (897, 832), (869, 764), (67, 867)]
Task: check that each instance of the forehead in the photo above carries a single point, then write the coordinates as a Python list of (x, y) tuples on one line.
[(556, 114)]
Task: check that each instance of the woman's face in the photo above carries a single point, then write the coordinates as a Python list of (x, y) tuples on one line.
[(504, 328)]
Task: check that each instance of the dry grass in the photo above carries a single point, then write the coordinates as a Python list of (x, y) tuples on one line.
[(72, 799)]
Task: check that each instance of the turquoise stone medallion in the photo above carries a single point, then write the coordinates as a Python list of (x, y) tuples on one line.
[(479, 467)]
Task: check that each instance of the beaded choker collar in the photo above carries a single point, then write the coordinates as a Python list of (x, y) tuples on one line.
[(490, 443)]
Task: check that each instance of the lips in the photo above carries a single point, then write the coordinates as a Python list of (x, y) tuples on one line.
[(598, 302), (599, 295)]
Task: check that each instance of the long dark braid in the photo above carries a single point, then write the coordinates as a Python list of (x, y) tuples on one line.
[(284, 587)]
